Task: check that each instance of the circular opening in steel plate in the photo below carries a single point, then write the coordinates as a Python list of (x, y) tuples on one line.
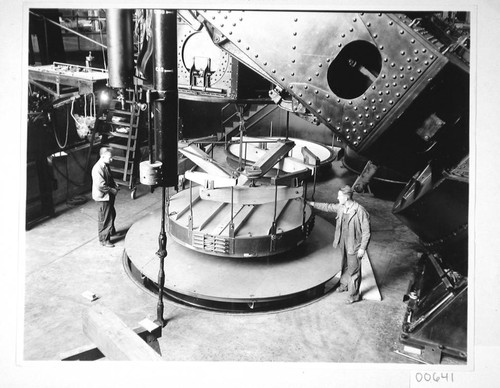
[(354, 69)]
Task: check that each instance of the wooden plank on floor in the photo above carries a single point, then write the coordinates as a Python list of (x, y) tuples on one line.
[(368, 288), (113, 338)]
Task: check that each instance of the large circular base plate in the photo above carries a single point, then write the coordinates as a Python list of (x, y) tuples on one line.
[(235, 284)]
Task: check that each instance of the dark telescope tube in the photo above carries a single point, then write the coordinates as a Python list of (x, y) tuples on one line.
[(165, 83), (120, 47)]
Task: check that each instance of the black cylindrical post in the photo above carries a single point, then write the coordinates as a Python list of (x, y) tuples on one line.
[(165, 83), (120, 47)]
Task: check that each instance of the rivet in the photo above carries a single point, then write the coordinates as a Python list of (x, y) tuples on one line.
[(412, 79), (416, 59), (391, 23), (316, 92), (384, 110), (380, 93), (348, 137), (306, 87), (425, 50), (381, 47), (356, 108), (359, 138), (402, 32), (374, 87), (291, 86), (239, 40), (365, 131), (412, 41), (387, 85), (320, 64), (256, 55), (394, 76), (340, 45), (234, 24), (343, 35), (338, 99), (367, 115), (432, 56), (364, 97), (317, 74), (310, 102), (409, 68), (274, 70), (394, 84), (294, 47), (230, 32), (387, 92), (329, 119), (368, 24), (375, 36), (337, 128), (386, 59), (225, 16), (401, 68), (360, 116), (350, 102), (391, 102), (374, 107), (346, 118), (354, 123), (398, 94), (294, 34), (222, 25), (419, 71), (393, 64), (377, 117), (379, 14), (309, 79), (383, 76), (328, 59), (354, 20), (408, 60), (380, 100), (415, 51), (403, 53), (351, 29), (366, 108), (300, 94), (319, 110), (355, 143), (360, 123), (265, 63), (426, 62), (371, 124), (292, 74), (373, 101), (405, 86), (213, 17), (282, 78), (293, 60), (327, 96), (241, 19)]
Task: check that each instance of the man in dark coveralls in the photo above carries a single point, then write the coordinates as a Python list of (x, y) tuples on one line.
[(104, 191), (352, 234)]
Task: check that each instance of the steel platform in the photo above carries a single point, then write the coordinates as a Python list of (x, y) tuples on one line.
[(234, 284)]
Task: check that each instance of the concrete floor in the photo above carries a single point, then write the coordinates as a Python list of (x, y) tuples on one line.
[(64, 259)]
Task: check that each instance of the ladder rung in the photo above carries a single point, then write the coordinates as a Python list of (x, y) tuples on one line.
[(121, 147), (121, 170), (123, 135), (122, 159)]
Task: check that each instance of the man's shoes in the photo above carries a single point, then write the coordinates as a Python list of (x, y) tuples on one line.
[(352, 300), (108, 244), (341, 289)]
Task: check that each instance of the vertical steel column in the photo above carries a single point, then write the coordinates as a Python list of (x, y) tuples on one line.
[(120, 47), (165, 120)]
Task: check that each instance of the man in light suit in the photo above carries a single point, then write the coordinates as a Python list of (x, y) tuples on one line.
[(352, 234), (104, 190)]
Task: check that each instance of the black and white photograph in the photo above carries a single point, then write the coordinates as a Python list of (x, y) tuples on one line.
[(250, 194)]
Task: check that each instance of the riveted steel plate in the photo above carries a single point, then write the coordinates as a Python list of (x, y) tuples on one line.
[(297, 50)]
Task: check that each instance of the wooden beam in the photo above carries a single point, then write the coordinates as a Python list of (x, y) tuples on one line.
[(251, 195), (113, 338), (269, 159)]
